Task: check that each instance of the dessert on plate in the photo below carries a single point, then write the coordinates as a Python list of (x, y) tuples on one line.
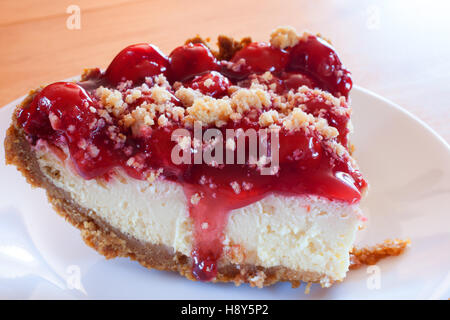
[(152, 159)]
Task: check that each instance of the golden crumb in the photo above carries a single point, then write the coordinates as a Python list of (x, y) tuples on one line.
[(371, 255), (209, 110), (112, 100), (244, 99), (328, 132), (162, 120), (298, 119), (308, 288), (268, 118), (161, 81), (160, 95), (283, 37), (133, 96), (187, 96), (336, 148), (257, 280), (140, 117)]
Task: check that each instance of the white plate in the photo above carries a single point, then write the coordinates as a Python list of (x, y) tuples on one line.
[(406, 163)]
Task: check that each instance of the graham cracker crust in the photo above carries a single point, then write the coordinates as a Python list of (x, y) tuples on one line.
[(371, 255)]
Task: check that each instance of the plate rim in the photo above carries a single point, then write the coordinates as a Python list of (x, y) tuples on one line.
[(406, 112)]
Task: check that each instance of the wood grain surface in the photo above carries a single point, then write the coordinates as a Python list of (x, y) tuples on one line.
[(398, 49)]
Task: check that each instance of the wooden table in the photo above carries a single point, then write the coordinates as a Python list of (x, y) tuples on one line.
[(399, 49)]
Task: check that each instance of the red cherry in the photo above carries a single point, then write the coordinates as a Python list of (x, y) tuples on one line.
[(262, 57), (56, 107), (235, 71), (212, 83), (62, 110), (318, 58), (190, 60), (135, 63), (294, 80)]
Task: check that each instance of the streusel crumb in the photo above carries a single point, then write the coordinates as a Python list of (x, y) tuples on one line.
[(283, 37)]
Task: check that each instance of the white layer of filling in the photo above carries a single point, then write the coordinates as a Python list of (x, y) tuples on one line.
[(301, 233)]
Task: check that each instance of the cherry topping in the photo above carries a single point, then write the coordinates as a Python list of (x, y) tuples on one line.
[(42, 117), (191, 60), (212, 83), (62, 112), (294, 80), (262, 57), (136, 62), (317, 57), (300, 149)]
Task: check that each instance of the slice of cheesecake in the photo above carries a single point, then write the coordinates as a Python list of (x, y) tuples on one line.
[(228, 165)]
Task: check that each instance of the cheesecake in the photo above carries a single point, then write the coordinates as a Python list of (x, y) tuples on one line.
[(226, 164)]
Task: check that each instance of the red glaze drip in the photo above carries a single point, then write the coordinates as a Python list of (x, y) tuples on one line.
[(62, 114)]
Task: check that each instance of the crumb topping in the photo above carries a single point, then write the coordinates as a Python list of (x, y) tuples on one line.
[(112, 100), (133, 96), (245, 99), (187, 96), (208, 110), (160, 95), (299, 119), (268, 118), (283, 37), (258, 98), (156, 103)]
